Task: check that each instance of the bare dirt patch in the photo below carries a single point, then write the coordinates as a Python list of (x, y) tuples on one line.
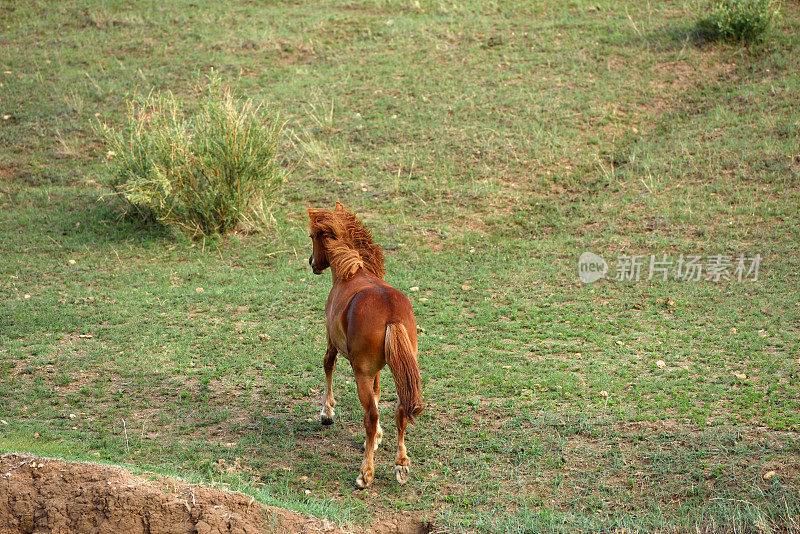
[(45, 495)]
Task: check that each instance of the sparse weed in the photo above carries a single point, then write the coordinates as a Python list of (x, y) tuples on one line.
[(316, 153)]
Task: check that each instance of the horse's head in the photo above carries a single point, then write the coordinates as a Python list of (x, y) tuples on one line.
[(325, 228)]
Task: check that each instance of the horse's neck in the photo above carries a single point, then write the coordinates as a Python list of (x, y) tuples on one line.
[(345, 263), (337, 279)]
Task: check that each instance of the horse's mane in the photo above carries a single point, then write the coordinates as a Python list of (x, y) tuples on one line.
[(350, 245)]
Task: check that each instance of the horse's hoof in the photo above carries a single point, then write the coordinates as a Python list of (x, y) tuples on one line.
[(360, 484), (401, 473), (326, 420)]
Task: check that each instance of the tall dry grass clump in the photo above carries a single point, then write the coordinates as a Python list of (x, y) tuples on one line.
[(206, 172)]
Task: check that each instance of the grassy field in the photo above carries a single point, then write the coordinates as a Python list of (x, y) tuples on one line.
[(488, 144)]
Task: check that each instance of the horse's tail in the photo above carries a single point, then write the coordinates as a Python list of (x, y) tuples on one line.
[(403, 362)]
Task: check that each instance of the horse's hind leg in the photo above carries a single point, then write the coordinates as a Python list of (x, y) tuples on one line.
[(402, 467), (329, 362), (376, 391), (366, 395)]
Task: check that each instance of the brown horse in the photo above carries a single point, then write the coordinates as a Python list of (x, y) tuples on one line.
[(371, 324)]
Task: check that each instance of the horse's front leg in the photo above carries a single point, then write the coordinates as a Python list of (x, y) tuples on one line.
[(376, 391), (328, 363)]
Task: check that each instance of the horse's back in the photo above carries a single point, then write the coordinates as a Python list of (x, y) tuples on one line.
[(379, 301)]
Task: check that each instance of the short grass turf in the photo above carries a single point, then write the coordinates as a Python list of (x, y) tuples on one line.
[(488, 145)]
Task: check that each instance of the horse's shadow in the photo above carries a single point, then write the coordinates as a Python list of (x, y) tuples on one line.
[(73, 220), (288, 435), (670, 38), (107, 220)]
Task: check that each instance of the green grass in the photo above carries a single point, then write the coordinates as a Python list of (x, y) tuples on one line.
[(487, 146)]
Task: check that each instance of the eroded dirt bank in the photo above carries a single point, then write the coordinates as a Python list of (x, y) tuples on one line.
[(40, 495)]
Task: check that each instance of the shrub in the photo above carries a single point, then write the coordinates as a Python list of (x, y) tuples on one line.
[(206, 172), (737, 20)]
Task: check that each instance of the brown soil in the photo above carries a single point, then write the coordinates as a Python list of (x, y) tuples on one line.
[(42, 495)]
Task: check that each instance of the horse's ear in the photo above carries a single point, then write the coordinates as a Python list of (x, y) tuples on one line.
[(339, 206)]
